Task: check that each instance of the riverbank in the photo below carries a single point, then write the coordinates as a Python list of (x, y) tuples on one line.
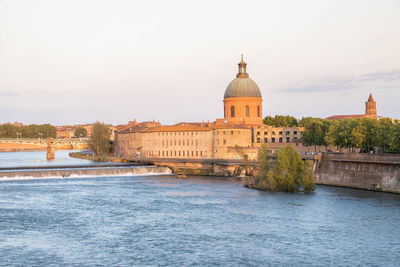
[(79, 155)]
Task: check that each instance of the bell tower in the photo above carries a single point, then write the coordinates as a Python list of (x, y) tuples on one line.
[(370, 108)]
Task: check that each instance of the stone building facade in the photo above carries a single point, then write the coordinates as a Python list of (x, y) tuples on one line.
[(240, 132)]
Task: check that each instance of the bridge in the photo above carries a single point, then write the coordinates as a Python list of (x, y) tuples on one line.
[(37, 144)]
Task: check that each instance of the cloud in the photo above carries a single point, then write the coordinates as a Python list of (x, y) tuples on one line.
[(341, 83), (8, 93), (392, 75)]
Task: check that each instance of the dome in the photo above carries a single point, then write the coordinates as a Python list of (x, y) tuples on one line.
[(242, 87)]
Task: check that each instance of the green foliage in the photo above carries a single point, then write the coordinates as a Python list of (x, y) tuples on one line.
[(99, 141), (394, 143), (362, 133), (289, 172), (281, 121), (80, 132), (315, 131), (383, 134), (28, 131)]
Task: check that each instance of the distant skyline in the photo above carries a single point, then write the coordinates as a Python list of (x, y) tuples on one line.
[(74, 62)]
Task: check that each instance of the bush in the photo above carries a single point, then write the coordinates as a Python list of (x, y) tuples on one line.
[(289, 172)]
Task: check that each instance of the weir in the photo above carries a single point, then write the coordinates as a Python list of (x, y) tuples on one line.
[(87, 171)]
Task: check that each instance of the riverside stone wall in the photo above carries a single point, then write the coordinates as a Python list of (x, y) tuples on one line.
[(379, 172)]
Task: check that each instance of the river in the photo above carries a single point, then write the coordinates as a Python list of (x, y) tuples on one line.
[(38, 159), (198, 221)]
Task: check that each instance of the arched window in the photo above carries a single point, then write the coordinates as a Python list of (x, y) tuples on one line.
[(258, 111), (232, 111), (247, 111)]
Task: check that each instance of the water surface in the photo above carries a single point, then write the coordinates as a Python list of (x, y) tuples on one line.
[(161, 220), (38, 159)]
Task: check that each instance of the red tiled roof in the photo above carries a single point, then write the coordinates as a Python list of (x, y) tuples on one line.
[(342, 117)]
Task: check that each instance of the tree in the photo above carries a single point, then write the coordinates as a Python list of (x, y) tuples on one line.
[(288, 174), (8, 130), (28, 131), (80, 132), (394, 143), (315, 132), (281, 121), (383, 133), (99, 141)]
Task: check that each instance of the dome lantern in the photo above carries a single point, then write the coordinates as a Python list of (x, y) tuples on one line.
[(242, 70)]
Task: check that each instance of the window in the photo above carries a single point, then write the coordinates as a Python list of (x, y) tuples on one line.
[(224, 132), (258, 140), (273, 133), (179, 153), (192, 153), (197, 153), (287, 139), (280, 133), (258, 133), (232, 111), (183, 153), (201, 153), (273, 140), (295, 132), (247, 111), (265, 140), (280, 140), (287, 133), (231, 132), (265, 133), (224, 142), (258, 111)]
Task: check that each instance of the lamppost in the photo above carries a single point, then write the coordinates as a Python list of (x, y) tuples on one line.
[(40, 135)]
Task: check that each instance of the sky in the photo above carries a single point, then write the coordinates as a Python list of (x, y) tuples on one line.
[(70, 62)]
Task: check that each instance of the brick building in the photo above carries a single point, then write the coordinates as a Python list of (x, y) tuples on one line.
[(240, 131), (370, 111)]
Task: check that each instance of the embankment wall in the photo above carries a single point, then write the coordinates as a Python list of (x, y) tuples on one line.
[(379, 172)]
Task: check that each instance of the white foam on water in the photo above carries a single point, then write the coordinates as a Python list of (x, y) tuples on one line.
[(75, 176)]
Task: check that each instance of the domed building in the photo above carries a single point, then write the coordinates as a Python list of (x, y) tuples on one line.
[(242, 99)]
